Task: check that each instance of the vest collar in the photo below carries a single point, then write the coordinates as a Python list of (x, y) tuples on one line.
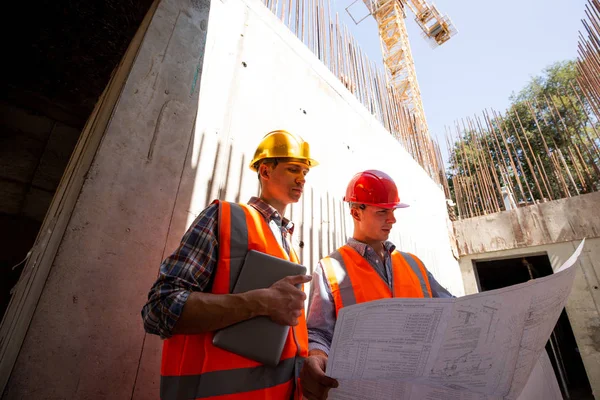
[(361, 248)]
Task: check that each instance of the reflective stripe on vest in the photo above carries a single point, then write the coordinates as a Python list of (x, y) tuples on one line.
[(335, 268), (219, 383), (193, 368), (343, 288), (417, 270), (239, 243)]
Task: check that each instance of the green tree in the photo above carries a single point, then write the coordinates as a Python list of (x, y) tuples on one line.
[(545, 146)]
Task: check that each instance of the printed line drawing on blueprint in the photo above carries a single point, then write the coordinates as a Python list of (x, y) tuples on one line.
[(471, 350)]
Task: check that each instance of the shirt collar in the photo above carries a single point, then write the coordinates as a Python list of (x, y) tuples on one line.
[(361, 248), (269, 213)]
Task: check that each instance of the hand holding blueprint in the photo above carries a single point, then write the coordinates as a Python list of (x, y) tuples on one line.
[(481, 346)]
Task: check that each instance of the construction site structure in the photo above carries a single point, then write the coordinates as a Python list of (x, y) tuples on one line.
[(390, 16), (525, 187), (494, 166), (395, 105), (111, 153), (169, 104), (588, 62)]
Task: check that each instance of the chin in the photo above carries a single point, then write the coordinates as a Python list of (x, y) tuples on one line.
[(295, 197)]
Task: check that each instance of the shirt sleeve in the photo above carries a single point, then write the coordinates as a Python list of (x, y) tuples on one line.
[(321, 313), (438, 290), (188, 269)]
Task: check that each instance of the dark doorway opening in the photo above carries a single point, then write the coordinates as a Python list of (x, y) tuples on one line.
[(62, 54), (561, 348)]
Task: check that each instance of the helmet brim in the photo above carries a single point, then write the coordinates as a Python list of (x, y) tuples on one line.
[(391, 205), (384, 205), (310, 162)]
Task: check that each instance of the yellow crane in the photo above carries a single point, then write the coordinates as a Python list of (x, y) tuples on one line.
[(397, 57)]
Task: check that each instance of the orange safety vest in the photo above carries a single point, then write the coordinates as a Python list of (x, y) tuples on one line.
[(192, 368), (353, 280)]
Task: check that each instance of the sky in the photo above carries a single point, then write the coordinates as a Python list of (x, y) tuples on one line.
[(500, 46)]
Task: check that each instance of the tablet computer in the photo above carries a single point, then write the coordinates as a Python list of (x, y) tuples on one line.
[(259, 338)]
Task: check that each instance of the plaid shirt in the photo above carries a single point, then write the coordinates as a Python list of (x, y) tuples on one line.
[(192, 266)]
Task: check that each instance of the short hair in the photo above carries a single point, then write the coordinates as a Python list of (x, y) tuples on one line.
[(357, 205), (257, 165), (274, 161)]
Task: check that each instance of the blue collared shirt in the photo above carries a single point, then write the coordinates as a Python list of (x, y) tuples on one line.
[(321, 312)]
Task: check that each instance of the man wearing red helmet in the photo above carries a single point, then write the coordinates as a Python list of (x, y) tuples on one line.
[(367, 268)]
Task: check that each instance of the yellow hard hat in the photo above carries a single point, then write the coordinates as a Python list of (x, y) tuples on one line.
[(282, 144)]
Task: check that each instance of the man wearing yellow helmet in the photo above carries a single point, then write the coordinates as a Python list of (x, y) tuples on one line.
[(192, 296)]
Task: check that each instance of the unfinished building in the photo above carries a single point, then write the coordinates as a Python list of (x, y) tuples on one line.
[(521, 212), (123, 121)]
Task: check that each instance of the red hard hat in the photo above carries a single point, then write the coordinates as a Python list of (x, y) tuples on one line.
[(373, 188)]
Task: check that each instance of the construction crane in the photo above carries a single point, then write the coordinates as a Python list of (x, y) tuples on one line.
[(397, 57)]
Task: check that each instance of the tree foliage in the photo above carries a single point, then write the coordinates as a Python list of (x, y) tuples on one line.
[(544, 146)]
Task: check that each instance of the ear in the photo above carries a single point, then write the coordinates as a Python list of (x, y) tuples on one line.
[(264, 171), (355, 212)]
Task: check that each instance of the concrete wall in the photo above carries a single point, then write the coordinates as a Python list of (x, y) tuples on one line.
[(546, 223), (210, 80), (34, 150), (555, 229)]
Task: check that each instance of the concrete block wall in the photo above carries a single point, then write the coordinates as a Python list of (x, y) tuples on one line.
[(210, 79), (555, 228)]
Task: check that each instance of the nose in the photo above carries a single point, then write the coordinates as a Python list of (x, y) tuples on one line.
[(300, 180), (391, 218)]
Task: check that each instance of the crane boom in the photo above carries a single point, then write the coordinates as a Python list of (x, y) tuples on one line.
[(395, 47)]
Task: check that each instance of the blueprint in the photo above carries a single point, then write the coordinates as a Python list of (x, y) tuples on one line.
[(481, 346), (541, 384)]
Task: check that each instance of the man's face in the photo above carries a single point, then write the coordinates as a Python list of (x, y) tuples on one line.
[(286, 181), (376, 223)]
